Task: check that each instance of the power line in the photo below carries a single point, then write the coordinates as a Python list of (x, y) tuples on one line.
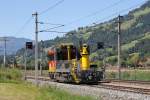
[(24, 25), (124, 10), (27, 22), (49, 23), (51, 7), (55, 27), (96, 12), (52, 31), (116, 13)]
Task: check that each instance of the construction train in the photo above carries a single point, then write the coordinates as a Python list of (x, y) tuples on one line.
[(67, 63)]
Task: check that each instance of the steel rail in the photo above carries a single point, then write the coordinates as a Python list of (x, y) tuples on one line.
[(106, 86)]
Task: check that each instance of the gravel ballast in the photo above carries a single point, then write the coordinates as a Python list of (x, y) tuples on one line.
[(98, 93)]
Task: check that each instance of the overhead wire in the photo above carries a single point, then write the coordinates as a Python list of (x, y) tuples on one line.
[(96, 12), (24, 25), (51, 7), (55, 27), (92, 14), (30, 18), (106, 16), (119, 12), (46, 10), (52, 31), (50, 23)]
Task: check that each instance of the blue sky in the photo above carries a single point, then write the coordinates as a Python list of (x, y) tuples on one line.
[(14, 13)]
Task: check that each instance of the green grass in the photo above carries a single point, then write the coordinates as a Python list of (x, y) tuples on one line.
[(106, 26), (111, 58), (146, 36), (143, 75), (12, 91), (129, 45), (13, 88), (136, 75), (128, 24), (142, 12), (86, 35), (132, 43), (92, 55), (10, 75)]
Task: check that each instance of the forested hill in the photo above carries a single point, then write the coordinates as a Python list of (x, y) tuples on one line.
[(135, 36)]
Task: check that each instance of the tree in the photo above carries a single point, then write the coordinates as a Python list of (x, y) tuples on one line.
[(134, 59)]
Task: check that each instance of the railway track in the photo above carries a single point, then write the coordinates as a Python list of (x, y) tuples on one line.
[(128, 81), (39, 78), (124, 88), (141, 87), (117, 86)]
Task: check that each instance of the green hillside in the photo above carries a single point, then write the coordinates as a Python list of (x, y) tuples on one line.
[(133, 43), (135, 37)]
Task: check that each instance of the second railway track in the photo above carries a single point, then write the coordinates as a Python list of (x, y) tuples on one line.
[(124, 88), (128, 81), (118, 85)]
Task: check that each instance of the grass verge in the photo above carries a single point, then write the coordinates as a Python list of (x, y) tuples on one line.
[(143, 75), (13, 88), (31, 92), (8, 75)]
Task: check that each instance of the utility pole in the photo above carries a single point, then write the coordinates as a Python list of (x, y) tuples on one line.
[(1, 64), (36, 47), (104, 62), (41, 64), (4, 59), (25, 63), (119, 46), (5, 51)]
